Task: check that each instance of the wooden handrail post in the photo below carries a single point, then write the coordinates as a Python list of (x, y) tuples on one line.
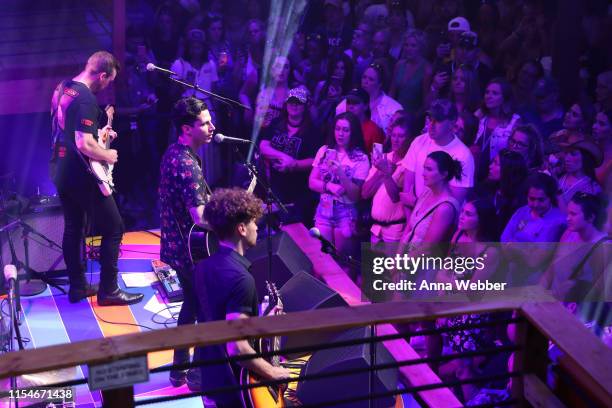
[(532, 359), (118, 397)]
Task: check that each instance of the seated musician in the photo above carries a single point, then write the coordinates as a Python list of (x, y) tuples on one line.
[(226, 290)]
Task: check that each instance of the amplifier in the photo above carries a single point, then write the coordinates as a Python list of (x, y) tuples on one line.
[(42, 227)]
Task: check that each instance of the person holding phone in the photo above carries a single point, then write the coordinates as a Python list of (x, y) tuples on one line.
[(384, 184), (338, 172)]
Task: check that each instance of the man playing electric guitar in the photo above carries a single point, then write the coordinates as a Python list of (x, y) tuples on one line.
[(75, 115), (182, 195), (226, 291)]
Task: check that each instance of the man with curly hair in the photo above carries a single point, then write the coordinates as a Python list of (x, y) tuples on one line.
[(226, 290)]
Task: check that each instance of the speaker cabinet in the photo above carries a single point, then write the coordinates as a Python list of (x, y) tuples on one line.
[(41, 230), (353, 385), (287, 260), (305, 292)]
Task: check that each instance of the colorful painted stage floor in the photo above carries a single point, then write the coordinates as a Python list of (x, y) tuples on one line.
[(49, 319)]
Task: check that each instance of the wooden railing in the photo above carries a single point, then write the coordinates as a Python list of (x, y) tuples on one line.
[(586, 357)]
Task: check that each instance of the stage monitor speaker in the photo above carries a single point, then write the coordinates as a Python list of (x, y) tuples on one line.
[(306, 292), (352, 385), (43, 256), (287, 260)]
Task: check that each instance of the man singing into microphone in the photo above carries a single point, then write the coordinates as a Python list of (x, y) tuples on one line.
[(182, 195)]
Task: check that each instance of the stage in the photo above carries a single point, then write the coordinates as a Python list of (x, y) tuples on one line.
[(50, 319)]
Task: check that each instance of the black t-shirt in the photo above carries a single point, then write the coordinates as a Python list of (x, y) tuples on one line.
[(223, 285), (290, 186), (80, 112)]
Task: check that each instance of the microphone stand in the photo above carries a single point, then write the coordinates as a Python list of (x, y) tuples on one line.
[(271, 198), (194, 86)]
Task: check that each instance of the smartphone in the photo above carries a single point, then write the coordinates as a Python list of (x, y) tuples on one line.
[(331, 155), (377, 150)]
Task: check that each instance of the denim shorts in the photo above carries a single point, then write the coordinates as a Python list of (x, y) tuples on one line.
[(335, 214)]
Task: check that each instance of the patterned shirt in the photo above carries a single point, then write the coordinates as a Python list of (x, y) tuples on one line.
[(181, 187)]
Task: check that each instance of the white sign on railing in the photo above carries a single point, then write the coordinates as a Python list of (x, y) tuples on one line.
[(118, 374)]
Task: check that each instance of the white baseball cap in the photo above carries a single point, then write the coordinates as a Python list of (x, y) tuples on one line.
[(459, 24)]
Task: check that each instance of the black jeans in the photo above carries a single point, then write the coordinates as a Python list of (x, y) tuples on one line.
[(188, 312), (89, 205)]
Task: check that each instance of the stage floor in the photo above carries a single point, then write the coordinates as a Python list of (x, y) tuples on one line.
[(49, 319)]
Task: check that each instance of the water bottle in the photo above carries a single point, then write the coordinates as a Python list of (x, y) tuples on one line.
[(264, 305)]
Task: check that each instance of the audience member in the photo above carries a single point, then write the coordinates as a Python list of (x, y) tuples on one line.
[(443, 116), (468, 53), (497, 120), (580, 159), (577, 270), (358, 102), (539, 221), (330, 91), (338, 172), (412, 74), (384, 184), (529, 73), (336, 27), (272, 98), (289, 145), (360, 51), (196, 67), (380, 49), (472, 239), (312, 69), (382, 106), (434, 215), (603, 91), (526, 141), (398, 24), (602, 135), (505, 186)]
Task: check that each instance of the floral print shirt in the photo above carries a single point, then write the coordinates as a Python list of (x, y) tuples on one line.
[(181, 187)]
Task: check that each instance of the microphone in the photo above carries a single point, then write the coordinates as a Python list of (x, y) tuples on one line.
[(326, 246), (10, 275), (152, 67), (220, 138)]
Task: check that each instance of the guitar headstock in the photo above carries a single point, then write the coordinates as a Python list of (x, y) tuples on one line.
[(110, 114), (274, 295)]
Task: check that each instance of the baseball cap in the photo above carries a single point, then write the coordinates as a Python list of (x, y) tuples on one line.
[(358, 95), (468, 39), (459, 24), (298, 93), (442, 109)]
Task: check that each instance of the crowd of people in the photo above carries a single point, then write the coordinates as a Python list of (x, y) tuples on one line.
[(408, 122)]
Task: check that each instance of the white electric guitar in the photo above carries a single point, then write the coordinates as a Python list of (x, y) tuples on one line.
[(101, 169)]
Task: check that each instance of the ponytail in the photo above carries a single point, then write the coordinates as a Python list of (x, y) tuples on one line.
[(446, 164)]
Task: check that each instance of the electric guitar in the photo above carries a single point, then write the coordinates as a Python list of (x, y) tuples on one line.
[(101, 169), (202, 242), (265, 397)]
